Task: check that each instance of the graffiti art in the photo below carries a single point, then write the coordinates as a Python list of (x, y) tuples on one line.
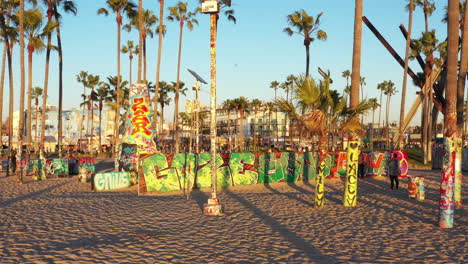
[(350, 193), (111, 181), (446, 203)]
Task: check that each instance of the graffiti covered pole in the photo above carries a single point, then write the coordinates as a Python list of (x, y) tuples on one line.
[(350, 196), (213, 207)]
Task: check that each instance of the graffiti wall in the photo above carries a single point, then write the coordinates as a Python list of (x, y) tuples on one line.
[(88, 163), (128, 160), (111, 181), (57, 168), (171, 172)]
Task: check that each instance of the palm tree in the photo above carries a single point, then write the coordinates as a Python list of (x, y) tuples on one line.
[(164, 99), (93, 80), (228, 106), (242, 105), (102, 95), (410, 7), (68, 6), (346, 74), (452, 61), (381, 87), (428, 8), (374, 105), (180, 13), (35, 33), (356, 68), (149, 19), (308, 27), (119, 7), (131, 49), (362, 82), (390, 90), (22, 85), (36, 94), (117, 102), (160, 30), (269, 107), (9, 37), (255, 104), (274, 85), (83, 79)]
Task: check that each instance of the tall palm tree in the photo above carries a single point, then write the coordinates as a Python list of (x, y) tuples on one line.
[(93, 81), (149, 19), (35, 31), (304, 25), (160, 30), (82, 78), (131, 49), (452, 61), (269, 107), (120, 8), (410, 7), (428, 8), (180, 13), (242, 104), (390, 90), (9, 35), (22, 85), (164, 98), (36, 94), (228, 106), (381, 87), (346, 74), (356, 67), (67, 6), (362, 82), (102, 95), (255, 104)]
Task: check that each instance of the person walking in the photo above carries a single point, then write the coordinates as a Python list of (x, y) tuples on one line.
[(393, 170)]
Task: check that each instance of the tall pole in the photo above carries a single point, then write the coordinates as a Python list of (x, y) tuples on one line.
[(213, 207), (197, 111)]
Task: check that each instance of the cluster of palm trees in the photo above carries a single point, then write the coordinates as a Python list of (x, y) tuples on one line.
[(32, 31)]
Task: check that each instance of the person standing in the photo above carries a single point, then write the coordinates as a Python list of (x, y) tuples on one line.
[(393, 170)]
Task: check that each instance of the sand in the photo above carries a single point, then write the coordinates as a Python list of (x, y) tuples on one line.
[(63, 221)]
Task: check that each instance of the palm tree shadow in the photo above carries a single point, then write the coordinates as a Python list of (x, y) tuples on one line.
[(30, 195), (200, 198), (288, 195), (298, 242)]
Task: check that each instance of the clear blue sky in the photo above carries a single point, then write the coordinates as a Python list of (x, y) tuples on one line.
[(251, 53)]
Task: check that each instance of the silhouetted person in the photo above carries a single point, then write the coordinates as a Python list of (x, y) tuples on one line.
[(393, 170)]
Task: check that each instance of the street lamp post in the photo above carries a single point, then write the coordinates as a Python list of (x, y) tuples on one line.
[(213, 207)]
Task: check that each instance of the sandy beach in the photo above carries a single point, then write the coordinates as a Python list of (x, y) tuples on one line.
[(63, 221)]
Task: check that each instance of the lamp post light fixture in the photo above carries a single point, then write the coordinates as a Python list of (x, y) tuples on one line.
[(213, 207)]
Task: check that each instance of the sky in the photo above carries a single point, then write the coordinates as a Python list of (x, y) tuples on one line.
[(250, 54)]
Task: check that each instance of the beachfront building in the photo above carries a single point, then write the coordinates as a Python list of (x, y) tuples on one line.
[(77, 126)]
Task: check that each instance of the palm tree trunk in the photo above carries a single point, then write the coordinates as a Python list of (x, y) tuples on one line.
[(45, 93), (307, 47), (405, 75), (119, 89), (229, 129), (131, 62), (59, 44), (30, 76), (140, 34), (356, 67), (2, 84), (144, 59), (176, 99), (36, 119), (462, 73), (380, 110), (158, 67), (91, 98), (100, 126), (22, 78), (452, 61), (372, 131)]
